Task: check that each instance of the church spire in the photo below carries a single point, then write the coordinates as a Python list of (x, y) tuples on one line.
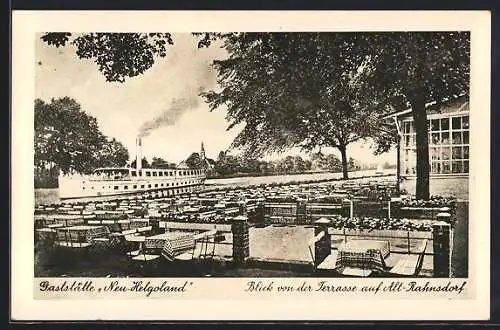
[(202, 152)]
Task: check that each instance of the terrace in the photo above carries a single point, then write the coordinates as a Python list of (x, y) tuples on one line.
[(281, 223)]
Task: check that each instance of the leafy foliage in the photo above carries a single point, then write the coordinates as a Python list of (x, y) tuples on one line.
[(276, 85), (70, 140), (158, 162), (228, 165), (194, 161), (117, 55), (144, 163), (417, 68)]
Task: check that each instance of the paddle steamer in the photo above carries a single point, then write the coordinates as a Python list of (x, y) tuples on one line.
[(127, 180)]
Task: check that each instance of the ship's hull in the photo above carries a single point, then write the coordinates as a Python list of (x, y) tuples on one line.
[(72, 188)]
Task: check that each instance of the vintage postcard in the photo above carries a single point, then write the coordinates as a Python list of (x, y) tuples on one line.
[(250, 165)]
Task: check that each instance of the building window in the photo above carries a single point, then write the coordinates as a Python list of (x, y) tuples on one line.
[(135, 186), (154, 173), (116, 187), (448, 146), (142, 186), (134, 173), (125, 187), (156, 185), (148, 173), (160, 173)]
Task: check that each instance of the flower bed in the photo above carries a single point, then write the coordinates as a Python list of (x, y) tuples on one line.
[(371, 223), (433, 202)]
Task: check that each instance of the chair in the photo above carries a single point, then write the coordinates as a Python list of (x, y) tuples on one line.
[(409, 264)]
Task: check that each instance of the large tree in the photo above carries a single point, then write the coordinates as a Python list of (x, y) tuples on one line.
[(68, 139), (418, 68), (293, 89)]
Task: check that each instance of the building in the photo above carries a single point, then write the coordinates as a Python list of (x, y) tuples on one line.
[(448, 143), (207, 164)]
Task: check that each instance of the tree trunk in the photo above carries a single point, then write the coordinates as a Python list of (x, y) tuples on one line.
[(343, 154), (422, 144), (398, 163)]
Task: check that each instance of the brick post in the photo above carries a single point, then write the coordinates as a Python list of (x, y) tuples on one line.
[(441, 245), (239, 228), (322, 247)]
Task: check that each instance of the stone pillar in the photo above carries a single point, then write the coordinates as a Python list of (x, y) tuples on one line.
[(239, 228), (322, 247), (441, 245)]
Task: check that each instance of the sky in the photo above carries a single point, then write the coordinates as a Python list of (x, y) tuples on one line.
[(148, 104)]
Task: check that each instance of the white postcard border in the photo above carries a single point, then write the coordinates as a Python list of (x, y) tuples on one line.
[(224, 306)]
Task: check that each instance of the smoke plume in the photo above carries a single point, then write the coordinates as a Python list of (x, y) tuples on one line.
[(201, 78)]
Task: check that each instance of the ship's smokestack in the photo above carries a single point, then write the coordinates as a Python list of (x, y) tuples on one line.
[(138, 159)]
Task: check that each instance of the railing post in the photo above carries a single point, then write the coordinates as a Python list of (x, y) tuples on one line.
[(441, 245), (408, 241)]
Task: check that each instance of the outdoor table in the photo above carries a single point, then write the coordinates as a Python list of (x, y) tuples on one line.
[(138, 223), (81, 233), (171, 243), (365, 254)]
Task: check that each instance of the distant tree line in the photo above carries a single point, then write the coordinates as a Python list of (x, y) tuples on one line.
[(68, 140), (156, 162), (227, 164)]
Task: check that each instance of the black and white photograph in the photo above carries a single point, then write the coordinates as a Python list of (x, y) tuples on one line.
[(328, 155), (252, 154)]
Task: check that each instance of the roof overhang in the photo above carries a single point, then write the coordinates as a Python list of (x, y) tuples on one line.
[(427, 105)]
